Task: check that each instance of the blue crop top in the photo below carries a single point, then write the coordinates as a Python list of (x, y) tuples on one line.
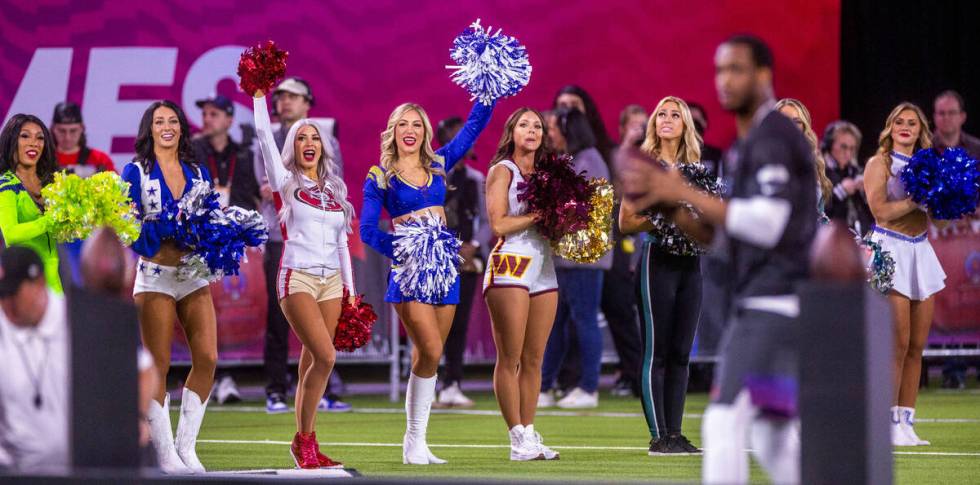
[(398, 197), (150, 193)]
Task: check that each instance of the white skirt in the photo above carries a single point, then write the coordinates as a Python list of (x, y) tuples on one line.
[(918, 274)]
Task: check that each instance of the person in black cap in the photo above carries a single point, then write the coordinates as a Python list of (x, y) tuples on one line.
[(231, 165), (34, 351), (71, 146)]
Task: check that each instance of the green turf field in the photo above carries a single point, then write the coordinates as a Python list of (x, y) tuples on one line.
[(593, 447)]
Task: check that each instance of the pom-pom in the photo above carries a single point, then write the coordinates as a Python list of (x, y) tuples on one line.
[(948, 184), (216, 236), (261, 67), (76, 206), (354, 325), (489, 65), (880, 265), (426, 259), (559, 196), (589, 244)]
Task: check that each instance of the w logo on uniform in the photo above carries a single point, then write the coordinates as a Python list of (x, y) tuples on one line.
[(510, 264)]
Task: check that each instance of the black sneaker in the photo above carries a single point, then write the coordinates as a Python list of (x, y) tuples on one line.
[(658, 446), (678, 444)]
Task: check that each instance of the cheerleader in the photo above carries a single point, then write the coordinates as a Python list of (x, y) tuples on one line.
[(519, 285), (800, 116), (315, 218), (669, 283), (27, 164), (410, 184), (900, 228), (163, 170)]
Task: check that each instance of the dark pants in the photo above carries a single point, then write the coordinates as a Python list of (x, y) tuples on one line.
[(456, 341), (619, 307), (578, 306), (670, 297), (276, 354)]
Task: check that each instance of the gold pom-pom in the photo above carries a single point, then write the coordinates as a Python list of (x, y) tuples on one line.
[(591, 243)]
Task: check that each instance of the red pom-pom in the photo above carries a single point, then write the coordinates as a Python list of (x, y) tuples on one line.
[(560, 197), (261, 67), (354, 326)]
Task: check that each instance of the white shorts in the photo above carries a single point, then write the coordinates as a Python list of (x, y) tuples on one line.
[(918, 274), (155, 278), (321, 288), (532, 270)]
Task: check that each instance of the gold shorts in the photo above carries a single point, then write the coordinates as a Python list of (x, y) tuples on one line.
[(292, 281)]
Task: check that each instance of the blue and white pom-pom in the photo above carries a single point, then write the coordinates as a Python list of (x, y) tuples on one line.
[(880, 266), (948, 184), (426, 256), (216, 236), (489, 66)]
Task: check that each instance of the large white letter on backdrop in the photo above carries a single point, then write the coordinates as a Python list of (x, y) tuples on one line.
[(44, 85)]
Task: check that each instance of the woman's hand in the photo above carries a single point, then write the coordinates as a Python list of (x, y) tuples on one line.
[(258, 93)]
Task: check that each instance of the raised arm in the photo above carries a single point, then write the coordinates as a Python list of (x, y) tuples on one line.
[(876, 188), (271, 158), (374, 237), (502, 224), (453, 151)]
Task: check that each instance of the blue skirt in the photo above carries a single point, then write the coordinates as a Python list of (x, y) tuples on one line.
[(394, 294)]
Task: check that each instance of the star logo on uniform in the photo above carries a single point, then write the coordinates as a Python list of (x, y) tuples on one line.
[(152, 191), (142, 267), (156, 270), (154, 205)]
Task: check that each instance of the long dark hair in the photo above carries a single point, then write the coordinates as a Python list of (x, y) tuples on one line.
[(505, 148), (602, 141), (145, 155), (575, 128), (47, 165)]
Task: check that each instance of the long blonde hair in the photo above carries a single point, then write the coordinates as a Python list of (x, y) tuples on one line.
[(820, 165), (689, 150), (327, 172), (885, 143), (389, 148)]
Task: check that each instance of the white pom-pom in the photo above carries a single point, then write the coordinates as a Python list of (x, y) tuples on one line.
[(428, 256), (489, 66)]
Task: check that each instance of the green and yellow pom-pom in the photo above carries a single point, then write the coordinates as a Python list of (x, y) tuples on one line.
[(76, 206)]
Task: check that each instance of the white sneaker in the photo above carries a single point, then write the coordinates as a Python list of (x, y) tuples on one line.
[(453, 397), (546, 399), (534, 437), (579, 399), (521, 448), (225, 391)]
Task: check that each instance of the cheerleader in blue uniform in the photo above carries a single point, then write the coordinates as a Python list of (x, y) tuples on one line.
[(163, 170), (410, 184)]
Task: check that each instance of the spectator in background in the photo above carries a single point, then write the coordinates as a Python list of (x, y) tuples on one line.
[(578, 302), (34, 407), (618, 304), (949, 114), (233, 172), (847, 203), (74, 155), (71, 148), (231, 165), (466, 213), (711, 156), (574, 97), (292, 100)]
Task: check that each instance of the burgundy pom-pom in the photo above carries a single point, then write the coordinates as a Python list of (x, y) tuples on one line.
[(354, 326), (261, 67), (559, 196)]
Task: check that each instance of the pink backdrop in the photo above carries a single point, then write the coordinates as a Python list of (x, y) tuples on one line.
[(364, 58)]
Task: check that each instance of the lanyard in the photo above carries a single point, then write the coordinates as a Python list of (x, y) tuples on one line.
[(213, 165)]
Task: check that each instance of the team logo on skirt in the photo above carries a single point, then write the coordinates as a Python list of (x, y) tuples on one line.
[(321, 199)]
